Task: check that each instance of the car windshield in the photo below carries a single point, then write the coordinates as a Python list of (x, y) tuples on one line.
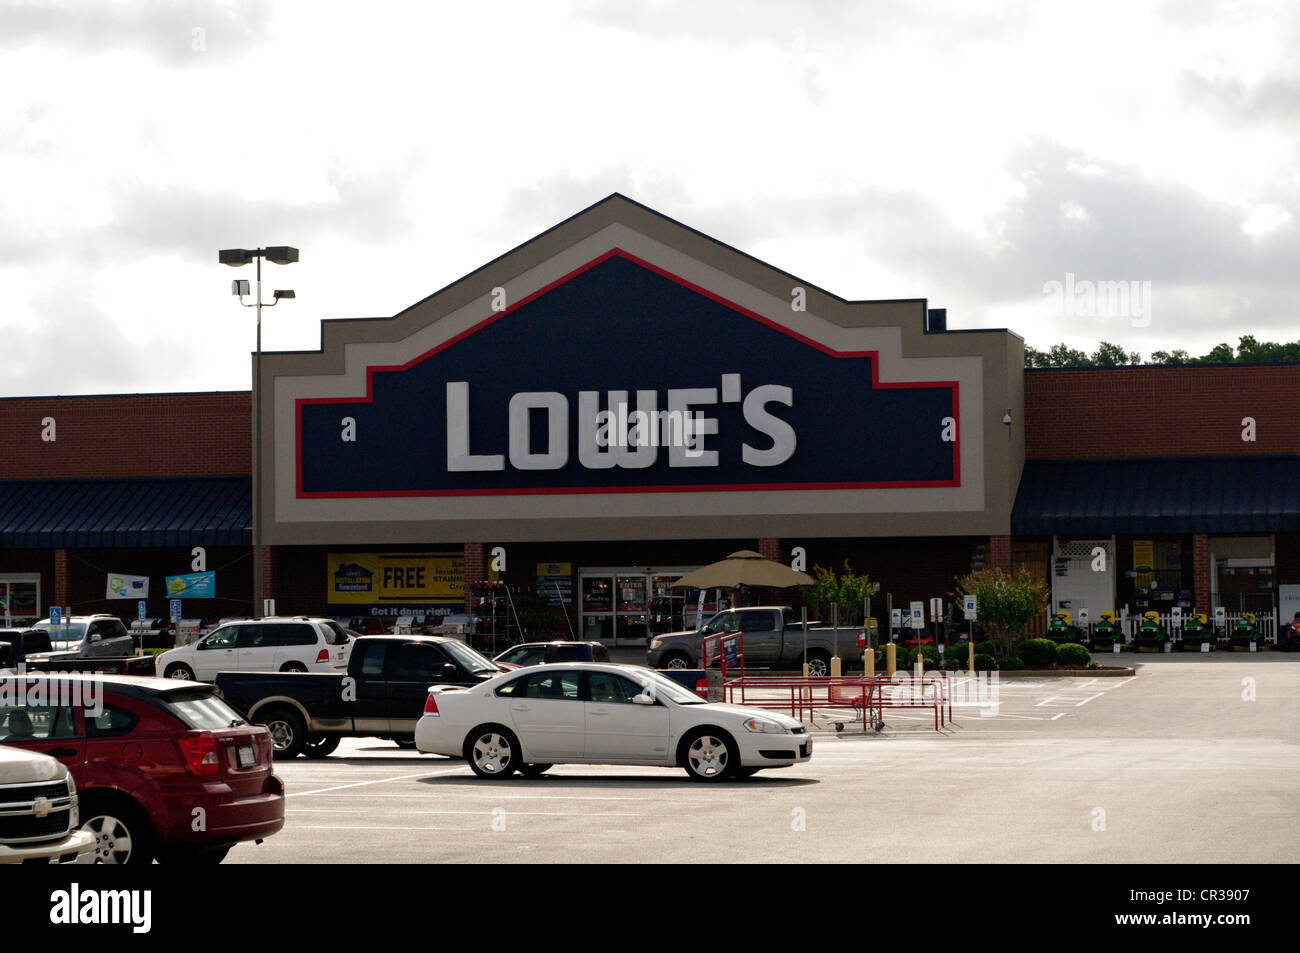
[(470, 660), (72, 632), (665, 687)]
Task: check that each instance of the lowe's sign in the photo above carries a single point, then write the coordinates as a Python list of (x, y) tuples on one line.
[(622, 377)]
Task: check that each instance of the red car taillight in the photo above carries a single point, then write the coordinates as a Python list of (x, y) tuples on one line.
[(200, 753), (323, 656), (702, 687), (431, 706)]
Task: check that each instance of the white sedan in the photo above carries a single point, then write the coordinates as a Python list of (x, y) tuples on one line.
[(591, 713)]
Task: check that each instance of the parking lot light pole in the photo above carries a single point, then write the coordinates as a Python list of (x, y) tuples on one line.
[(235, 257)]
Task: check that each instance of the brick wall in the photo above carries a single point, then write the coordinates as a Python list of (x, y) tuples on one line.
[(1161, 411), (131, 435)]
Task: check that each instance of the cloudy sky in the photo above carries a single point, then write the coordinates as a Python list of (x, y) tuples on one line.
[(968, 152)]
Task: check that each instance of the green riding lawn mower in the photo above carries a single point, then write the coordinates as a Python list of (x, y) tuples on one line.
[(1060, 631), (1107, 632), (1197, 631), (1151, 636)]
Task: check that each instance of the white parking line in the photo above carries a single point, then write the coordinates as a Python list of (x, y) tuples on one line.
[(357, 784), (1088, 699), (1047, 701)]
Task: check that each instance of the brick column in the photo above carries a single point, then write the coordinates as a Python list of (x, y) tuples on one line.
[(770, 548), (60, 577), (999, 553), (475, 571), (1201, 574), (269, 587)]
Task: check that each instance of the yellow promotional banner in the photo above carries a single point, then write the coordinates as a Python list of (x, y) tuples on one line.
[(377, 579), (1144, 555)]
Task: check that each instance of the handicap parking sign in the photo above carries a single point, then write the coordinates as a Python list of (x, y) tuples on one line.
[(56, 615)]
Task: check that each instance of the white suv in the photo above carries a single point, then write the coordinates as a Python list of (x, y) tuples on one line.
[(299, 644), (40, 811)]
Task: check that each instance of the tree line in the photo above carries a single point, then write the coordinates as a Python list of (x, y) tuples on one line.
[(1247, 351)]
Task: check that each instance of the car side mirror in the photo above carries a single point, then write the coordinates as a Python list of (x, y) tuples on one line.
[(96, 637), (642, 699), (449, 670)]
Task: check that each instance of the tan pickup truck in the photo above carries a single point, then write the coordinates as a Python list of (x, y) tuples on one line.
[(38, 811)]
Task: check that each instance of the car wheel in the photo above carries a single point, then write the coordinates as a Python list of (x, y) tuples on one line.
[(709, 755), (180, 671), (122, 832), (194, 856), (677, 660), (534, 770), (819, 664), (288, 733), (492, 751), (293, 667), (408, 743), (321, 746)]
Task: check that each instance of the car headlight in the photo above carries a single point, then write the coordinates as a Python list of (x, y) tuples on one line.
[(73, 811), (764, 726), (656, 643)]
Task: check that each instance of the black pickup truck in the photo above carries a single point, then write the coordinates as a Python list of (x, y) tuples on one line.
[(31, 649), (381, 696)]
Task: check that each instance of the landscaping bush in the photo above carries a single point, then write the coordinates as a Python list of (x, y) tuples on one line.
[(1072, 654), (954, 661), (929, 653), (985, 663), (1093, 665), (985, 648), (1038, 653), (1011, 664)]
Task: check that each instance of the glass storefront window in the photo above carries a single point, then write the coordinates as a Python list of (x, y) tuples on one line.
[(597, 594), (20, 598), (631, 593)]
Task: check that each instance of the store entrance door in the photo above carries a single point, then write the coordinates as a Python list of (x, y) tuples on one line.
[(624, 605)]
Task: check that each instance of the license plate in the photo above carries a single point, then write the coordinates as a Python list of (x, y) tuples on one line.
[(247, 756)]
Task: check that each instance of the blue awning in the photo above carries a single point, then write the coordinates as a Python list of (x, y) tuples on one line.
[(1163, 495), (102, 514)]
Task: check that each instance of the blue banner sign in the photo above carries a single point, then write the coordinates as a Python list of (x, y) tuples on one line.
[(622, 377), (194, 585)]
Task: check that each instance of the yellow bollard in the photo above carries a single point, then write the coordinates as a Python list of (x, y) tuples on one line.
[(891, 659), (835, 666), (869, 661), (971, 652)]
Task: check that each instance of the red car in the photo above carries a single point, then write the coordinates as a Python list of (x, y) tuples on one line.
[(164, 769)]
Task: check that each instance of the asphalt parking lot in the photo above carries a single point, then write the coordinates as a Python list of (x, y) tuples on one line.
[(1194, 759)]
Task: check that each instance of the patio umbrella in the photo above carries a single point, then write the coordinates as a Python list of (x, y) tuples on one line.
[(743, 568)]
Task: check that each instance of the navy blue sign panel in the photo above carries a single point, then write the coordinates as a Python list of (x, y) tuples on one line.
[(621, 377)]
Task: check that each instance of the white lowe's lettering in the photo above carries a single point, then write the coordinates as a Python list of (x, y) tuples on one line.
[(618, 435)]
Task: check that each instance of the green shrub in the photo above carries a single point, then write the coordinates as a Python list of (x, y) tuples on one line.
[(929, 653), (985, 663), (954, 661), (1072, 654), (1038, 653), (985, 648), (1093, 665), (1011, 664)]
